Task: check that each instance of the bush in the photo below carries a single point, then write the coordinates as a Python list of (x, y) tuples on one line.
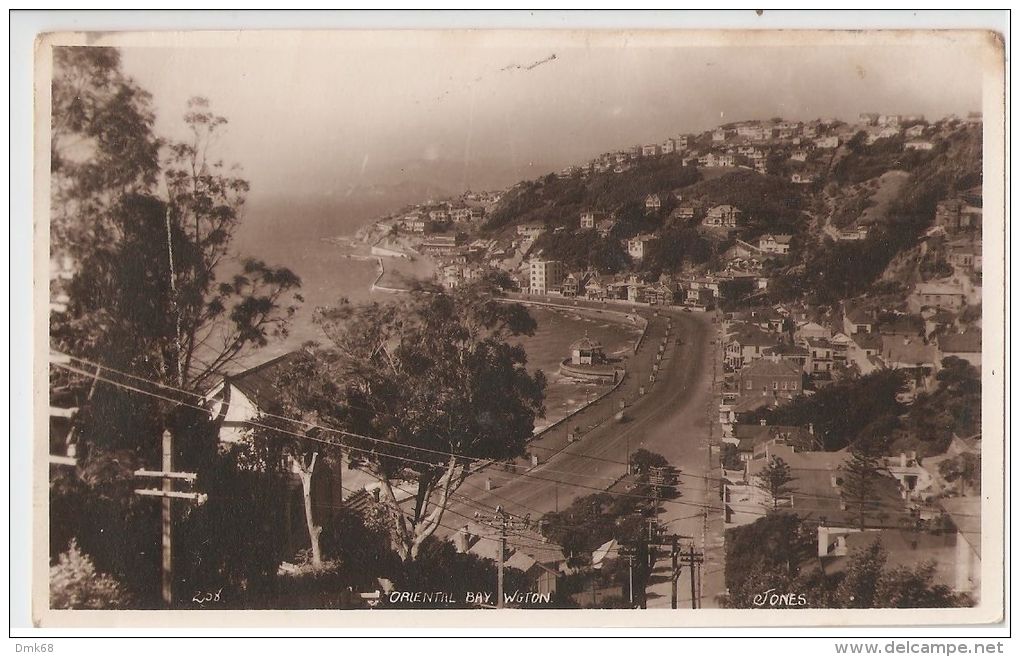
[(75, 584)]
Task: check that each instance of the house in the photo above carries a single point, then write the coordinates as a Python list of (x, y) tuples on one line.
[(806, 330), (720, 134), (650, 150), (605, 227), (751, 439), (747, 345), (802, 178), (831, 141), (237, 401), (890, 120), (919, 145), (966, 345), (937, 294), (531, 230), (856, 320), (851, 234), (867, 118), (713, 160), (653, 203), (531, 554), (681, 214), (575, 283), (799, 156), (796, 354), (914, 131), (438, 215), (545, 275), (964, 254), (957, 214), (779, 379), (965, 518), (725, 216), (820, 354), (911, 355), (668, 146), (477, 213), (590, 218), (766, 318), (460, 215), (637, 246), (776, 244)]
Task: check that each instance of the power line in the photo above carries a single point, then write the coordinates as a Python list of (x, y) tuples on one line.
[(399, 446)]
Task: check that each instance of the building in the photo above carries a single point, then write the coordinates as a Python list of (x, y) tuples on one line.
[(236, 402), (799, 156), (575, 283), (890, 120), (919, 145), (590, 218), (914, 131), (820, 354), (964, 254), (767, 377), (438, 215), (587, 351), (747, 345), (955, 215), (851, 234), (637, 246), (719, 135), (653, 203), (545, 275), (796, 354), (831, 141), (775, 244), (867, 118), (725, 216), (966, 346), (856, 320), (802, 178), (911, 355), (937, 294), (650, 150), (532, 230), (605, 227)]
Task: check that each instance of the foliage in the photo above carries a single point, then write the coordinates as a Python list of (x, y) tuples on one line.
[(954, 407), (559, 202), (583, 250), (425, 385), (675, 247), (965, 468), (767, 553), (75, 584), (775, 479), (136, 308), (836, 410), (860, 475), (867, 584), (769, 204)]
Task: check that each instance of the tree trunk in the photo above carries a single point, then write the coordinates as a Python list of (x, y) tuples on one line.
[(313, 530)]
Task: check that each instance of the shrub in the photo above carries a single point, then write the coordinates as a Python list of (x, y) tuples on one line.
[(75, 584)]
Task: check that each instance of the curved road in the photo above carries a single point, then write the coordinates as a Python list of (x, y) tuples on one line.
[(672, 418)]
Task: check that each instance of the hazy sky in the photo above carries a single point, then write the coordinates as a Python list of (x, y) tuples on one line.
[(312, 114)]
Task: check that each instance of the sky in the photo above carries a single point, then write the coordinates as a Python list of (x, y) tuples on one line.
[(308, 116)]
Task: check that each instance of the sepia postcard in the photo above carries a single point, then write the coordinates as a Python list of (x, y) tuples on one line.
[(519, 328)]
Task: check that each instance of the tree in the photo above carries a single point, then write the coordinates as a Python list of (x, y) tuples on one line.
[(867, 584), (965, 468), (775, 480), (774, 547), (152, 291), (860, 583), (860, 482), (423, 386)]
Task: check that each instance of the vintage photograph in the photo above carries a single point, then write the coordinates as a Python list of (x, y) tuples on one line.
[(680, 322)]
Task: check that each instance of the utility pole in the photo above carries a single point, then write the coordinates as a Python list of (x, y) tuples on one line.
[(507, 524), (166, 494)]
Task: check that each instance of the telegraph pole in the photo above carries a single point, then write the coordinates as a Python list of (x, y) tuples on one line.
[(507, 524), (167, 494)]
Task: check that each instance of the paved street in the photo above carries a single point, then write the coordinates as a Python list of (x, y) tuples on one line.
[(672, 418)]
